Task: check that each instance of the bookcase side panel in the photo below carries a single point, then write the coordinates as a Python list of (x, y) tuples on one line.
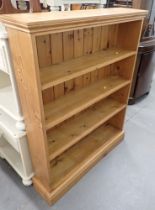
[(25, 64), (129, 34)]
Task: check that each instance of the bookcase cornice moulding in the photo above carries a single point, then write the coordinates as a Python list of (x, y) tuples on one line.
[(54, 22)]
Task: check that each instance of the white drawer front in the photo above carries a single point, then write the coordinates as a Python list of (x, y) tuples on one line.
[(12, 141)]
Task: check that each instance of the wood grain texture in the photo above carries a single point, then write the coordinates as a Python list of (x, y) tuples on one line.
[(112, 36), (81, 156), (71, 69), (65, 107), (59, 90), (44, 50), (28, 81), (131, 30), (64, 185), (68, 45), (96, 38), (67, 134), (57, 48), (44, 22), (48, 95), (78, 43), (88, 41), (78, 100), (104, 37)]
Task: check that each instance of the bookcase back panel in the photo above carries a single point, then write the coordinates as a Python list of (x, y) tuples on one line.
[(59, 47), (121, 68), (62, 89)]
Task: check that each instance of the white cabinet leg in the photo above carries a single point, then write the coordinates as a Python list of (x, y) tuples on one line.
[(27, 182), (20, 125)]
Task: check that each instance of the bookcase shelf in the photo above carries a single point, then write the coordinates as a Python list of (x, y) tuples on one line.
[(76, 101), (59, 73), (71, 164), (74, 77), (69, 133)]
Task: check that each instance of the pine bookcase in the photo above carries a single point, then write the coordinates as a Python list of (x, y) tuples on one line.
[(74, 71)]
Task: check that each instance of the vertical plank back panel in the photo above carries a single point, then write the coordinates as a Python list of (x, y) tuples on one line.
[(86, 79), (78, 43), (48, 95), (44, 50), (59, 90), (68, 45), (96, 38), (88, 41), (123, 68), (112, 35), (78, 83), (69, 86), (104, 37), (56, 48), (94, 76)]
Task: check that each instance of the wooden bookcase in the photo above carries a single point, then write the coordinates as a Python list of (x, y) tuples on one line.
[(74, 71)]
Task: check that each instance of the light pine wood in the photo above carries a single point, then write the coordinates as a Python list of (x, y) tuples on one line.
[(42, 23), (74, 102), (97, 39), (72, 131), (43, 49), (78, 43), (112, 36), (104, 37), (56, 48), (123, 41), (60, 186), (68, 45), (82, 155), (69, 86), (32, 106), (59, 90), (48, 95), (78, 83), (88, 41), (71, 69), (74, 77)]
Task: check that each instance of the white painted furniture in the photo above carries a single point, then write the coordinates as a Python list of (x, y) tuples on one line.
[(60, 3), (13, 141)]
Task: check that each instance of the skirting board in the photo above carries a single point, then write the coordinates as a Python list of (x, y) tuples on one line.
[(52, 196)]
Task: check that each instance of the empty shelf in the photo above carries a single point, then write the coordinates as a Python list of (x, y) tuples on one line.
[(70, 132), (76, 161), (68, 70), (76, 101), (7, 97)]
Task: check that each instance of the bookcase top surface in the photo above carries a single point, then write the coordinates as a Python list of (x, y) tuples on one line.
[(33, 21)]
